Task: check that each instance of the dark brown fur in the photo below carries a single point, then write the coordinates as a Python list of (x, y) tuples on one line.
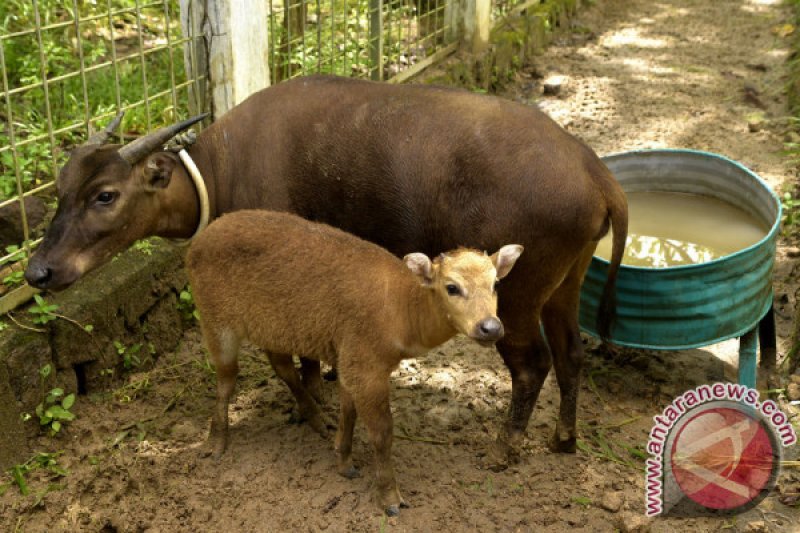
[(302, 287), (412, 168)]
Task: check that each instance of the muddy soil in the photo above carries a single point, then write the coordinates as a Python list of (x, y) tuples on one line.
[(633, 74)]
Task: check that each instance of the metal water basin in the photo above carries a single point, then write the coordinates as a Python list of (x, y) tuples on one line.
[(689, 306)]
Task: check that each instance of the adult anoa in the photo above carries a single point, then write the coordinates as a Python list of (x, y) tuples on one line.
[(409, 167)]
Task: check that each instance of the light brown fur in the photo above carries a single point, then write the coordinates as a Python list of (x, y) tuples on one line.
[(303, 287)]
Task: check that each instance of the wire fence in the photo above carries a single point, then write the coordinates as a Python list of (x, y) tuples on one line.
[(68, 66), (377, 39), (501, 8), (359, 38)]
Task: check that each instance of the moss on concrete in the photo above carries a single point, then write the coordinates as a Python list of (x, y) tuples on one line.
[(131, 300)]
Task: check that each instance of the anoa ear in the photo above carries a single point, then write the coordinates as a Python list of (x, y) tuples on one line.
[(421, 266), (504, 258), (158, 171)]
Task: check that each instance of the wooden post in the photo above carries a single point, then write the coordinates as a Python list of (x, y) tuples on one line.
[(231, 48), (477, 16)]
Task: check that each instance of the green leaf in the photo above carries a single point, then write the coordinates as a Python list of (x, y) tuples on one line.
[(58, 470), (52, 397), (636, 452), (582, 500), (68, 401), (55, 426), (18, 473), (45, 371), (58, 412), (122, 435), (13, 278), (89, 328)]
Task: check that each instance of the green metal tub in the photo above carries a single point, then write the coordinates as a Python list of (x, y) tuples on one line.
[(690, 306)]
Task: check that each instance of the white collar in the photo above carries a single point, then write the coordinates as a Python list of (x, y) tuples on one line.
[(202, 195)]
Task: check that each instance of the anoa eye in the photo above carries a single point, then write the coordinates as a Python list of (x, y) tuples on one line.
[(105, 198), (452, 289)]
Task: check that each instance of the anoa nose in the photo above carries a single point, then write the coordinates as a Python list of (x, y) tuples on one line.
[(39, 275), (489, 329)]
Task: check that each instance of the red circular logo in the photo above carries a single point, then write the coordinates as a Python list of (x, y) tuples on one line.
[(722, 458)]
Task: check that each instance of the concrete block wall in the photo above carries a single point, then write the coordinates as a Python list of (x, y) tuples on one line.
[(131, 300)]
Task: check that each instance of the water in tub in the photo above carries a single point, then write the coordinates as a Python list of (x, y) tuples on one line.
[(669, 229)]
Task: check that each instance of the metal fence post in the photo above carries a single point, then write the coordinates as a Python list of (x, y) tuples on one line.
[(233, 50), (376, 39)]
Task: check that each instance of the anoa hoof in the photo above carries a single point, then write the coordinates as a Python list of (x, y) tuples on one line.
[(558, 444), (501, 455), (351, 473), (394, 510)]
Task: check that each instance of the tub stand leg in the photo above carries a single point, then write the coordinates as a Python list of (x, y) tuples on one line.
[(767, 341), (748, 344)]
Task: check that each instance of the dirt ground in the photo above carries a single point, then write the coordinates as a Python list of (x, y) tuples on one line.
[(636, 74)]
